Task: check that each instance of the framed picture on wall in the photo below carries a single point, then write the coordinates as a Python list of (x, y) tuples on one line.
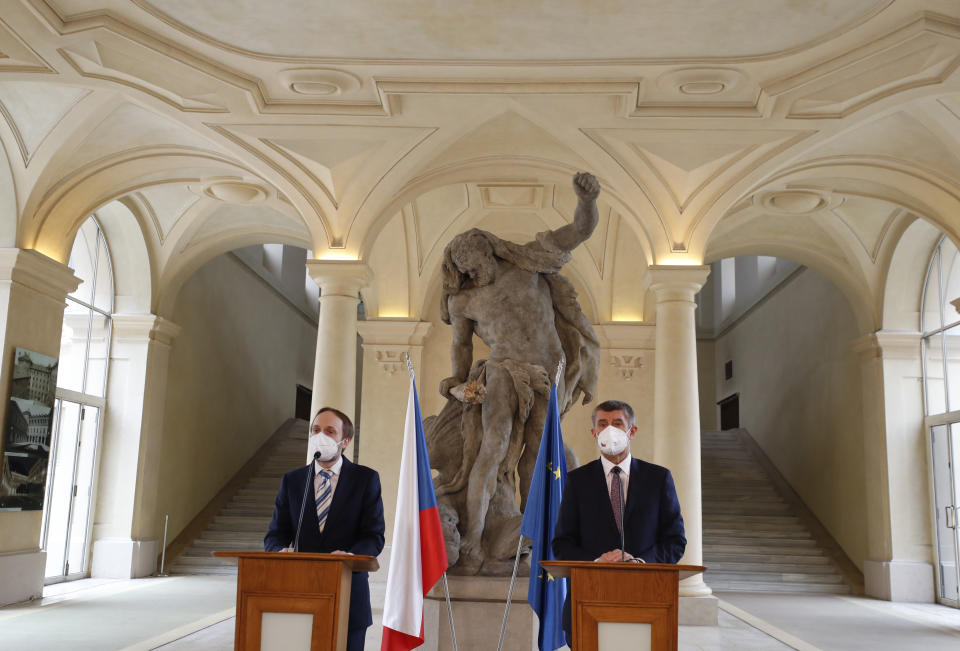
[(29, 426)]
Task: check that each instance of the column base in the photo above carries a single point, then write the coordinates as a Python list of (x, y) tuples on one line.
[(21, 576), (699, 611), (899, 581), (120, 558), (478, 603)]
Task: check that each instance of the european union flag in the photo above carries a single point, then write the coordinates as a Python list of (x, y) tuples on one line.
[(546, 593)]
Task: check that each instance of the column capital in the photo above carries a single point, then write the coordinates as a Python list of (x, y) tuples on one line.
[(340, 277), (667, 280), (888, 344), (393, 332), (141, 328), (37, 272), (389, 339), (633, 336)]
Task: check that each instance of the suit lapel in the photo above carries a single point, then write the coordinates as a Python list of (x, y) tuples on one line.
[(601, 484), (634, 489)]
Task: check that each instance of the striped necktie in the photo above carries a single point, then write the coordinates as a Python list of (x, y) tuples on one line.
[(616, 496), (323, 491)]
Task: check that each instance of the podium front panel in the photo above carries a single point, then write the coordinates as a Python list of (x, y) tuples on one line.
[(285, 585), (611, 595)]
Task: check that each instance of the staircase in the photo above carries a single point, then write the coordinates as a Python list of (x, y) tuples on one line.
[(243, 510), (757, 535)]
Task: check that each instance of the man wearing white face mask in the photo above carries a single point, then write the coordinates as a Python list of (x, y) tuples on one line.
[(617, 497), (332, 506)]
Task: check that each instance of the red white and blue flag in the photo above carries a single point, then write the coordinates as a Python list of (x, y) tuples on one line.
[(418, 557)]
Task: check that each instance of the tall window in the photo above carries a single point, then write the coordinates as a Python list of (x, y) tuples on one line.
[(81, 386), (940, 323)]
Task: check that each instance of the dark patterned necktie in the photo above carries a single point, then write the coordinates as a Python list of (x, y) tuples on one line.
[(616, 495), (324, 495)]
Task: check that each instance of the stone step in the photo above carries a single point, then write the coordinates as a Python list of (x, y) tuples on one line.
[(202, 569), (206, 560), (790, 568), (710, 556), (756, 586), (710, 539), (227, 535), (786, 550), (771, 534), (775, 577)]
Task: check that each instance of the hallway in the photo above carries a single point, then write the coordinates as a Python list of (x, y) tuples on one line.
[(194, 613)]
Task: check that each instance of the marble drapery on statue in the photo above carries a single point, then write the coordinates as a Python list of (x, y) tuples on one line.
[(487, 435)]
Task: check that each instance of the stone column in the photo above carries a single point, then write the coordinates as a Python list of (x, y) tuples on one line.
[(385, 388), (676, 411), (128, 529), (33, 289), (335, 369), (899, 544)]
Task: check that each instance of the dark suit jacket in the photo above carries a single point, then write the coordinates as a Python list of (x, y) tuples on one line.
[(354, 524), (653, 526)]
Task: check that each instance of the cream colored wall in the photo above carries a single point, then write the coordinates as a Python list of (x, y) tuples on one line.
[(800, 397), (232, 381), (707, 383)]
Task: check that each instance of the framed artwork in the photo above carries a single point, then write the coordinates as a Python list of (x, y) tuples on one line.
[(29, 427)]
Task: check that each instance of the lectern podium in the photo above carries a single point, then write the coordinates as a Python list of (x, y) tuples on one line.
[(623, 605), (294, 601)]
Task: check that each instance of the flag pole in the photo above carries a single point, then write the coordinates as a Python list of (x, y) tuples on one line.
[(446, 586), (513, 580), (516, 559), (446, 591)]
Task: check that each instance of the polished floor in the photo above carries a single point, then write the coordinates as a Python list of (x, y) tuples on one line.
[(194, 613)]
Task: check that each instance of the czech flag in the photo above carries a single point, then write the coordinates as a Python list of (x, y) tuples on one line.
[(418, 557)]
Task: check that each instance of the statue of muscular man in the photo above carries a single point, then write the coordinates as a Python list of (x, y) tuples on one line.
[(514, 299)]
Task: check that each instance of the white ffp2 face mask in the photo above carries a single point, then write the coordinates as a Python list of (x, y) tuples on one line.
[(612, 440), (326, 446)]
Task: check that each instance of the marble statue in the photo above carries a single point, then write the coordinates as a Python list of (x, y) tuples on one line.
[(486, 437)]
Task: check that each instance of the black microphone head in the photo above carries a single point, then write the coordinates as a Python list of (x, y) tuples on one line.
[(316, 455)]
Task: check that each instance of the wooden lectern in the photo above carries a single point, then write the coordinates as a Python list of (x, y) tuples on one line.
[(306, 584), (625, 594)]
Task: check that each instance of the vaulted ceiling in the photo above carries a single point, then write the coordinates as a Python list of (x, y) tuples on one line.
[(816, 131)]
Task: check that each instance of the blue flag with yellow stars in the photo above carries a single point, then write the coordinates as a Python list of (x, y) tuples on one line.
[(546, 593)]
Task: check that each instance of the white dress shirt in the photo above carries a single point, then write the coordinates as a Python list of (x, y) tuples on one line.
[(334, 474)]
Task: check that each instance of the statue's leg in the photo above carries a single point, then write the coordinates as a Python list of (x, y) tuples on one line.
[(497, 418), (532, 433)]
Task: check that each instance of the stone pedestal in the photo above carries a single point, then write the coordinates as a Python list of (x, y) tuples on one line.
[(478, 604)]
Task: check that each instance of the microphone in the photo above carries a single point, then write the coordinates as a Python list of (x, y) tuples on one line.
[(303, 501)]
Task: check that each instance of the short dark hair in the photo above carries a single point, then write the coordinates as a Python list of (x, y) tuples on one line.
[(344, 420), (614, 405)]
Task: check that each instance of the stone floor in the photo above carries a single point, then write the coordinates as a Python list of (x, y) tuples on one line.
[(193, 613)]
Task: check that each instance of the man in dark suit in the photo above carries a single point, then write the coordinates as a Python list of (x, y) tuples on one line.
[(589, 523), (343, 513)]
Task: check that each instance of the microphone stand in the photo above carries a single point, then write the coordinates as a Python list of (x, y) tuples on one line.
[(620, 508), (303, 502)]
